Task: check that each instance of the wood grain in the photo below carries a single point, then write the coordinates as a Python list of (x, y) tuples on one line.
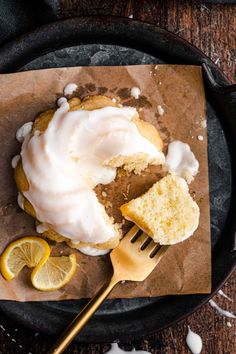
[(212, 28)]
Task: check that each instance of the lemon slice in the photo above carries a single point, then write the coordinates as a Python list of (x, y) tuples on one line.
[(54, 273), (27, 251)]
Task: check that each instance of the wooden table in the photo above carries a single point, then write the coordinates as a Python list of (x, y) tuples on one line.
[(212, 28)]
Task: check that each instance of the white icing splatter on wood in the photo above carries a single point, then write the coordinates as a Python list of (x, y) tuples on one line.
[(194, 342), (116, 350), (220, 292), (220, 310)]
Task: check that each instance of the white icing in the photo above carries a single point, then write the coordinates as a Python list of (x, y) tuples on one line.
[(200, 137), (131, 16), (116, 350), (220, 292), (42, 227), (70, 88), (113, 100), (92, 251), (135, 92), (229, 324), (220, 310), (61, 101), (70, 158), (20, 200), (160, 110), (23, 131), (204, 123), (194, 342), (181, 161), (15, 160)]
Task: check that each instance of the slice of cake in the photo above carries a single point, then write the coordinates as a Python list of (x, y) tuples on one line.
[(166, 212)]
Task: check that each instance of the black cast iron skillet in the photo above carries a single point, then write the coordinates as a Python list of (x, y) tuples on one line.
[(119, 41)]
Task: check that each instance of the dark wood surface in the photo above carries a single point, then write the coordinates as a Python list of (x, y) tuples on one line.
[(212, 28)]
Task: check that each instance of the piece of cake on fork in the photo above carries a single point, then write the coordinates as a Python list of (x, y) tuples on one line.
[(166, 212)]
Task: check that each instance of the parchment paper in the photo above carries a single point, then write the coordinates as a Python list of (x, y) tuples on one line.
[(186, 268)]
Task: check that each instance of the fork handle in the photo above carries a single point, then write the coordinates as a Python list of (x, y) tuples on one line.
[(82, 318)]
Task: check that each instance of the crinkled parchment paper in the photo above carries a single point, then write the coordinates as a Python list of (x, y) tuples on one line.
[(186, 268)]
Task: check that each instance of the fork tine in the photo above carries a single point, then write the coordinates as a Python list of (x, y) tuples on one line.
[(160, 253), (150, 248), (155, 250), (141, 240), (131, 233)]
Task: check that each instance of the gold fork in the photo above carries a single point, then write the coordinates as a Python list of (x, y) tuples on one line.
[(133, 259)]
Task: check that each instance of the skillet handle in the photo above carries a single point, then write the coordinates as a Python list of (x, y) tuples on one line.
[(224, 97), (221, 89)]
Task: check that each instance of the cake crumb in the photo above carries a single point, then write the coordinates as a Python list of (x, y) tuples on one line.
[(229, 324), (156, 67), (160, 83), (108, 204), (104, 194), (200, 137), (125, 196), (113, 100), (128, 189)]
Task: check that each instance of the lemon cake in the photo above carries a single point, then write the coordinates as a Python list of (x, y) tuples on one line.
[(166, 212), (67, 152)]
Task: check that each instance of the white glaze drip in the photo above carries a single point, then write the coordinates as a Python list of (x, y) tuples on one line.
[(204, 124), (160, 110), (181, 161), (20, 200), (41, 228), (70, 88), (91, 251), (194, 342), (61, 101), (14, 161), (135, 92), (23, 131)]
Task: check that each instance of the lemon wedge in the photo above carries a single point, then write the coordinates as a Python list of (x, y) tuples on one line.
[(54, 273), (27, 251)]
